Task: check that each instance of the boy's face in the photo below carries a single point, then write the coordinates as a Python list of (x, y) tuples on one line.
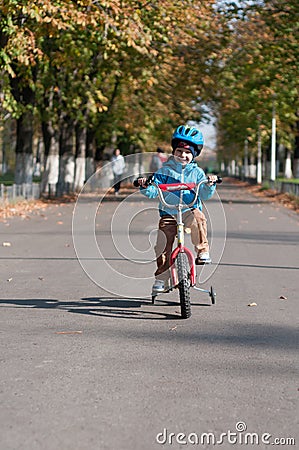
[(183, 156)]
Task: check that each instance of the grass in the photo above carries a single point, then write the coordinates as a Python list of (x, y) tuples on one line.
[(8, 179), (286, 180), (266, 183)]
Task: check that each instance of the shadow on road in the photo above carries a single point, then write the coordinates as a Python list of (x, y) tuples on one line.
[(257, 266), (121, 307), (252, 335), (236, 264), (266, 237)]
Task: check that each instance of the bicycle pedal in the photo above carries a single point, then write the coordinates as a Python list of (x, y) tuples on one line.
[(168, 289)]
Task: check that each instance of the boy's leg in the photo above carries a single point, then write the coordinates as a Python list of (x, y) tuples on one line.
[(197, 222), (166, 235)]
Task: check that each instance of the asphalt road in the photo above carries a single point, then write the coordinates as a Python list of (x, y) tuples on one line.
[(94, 367)]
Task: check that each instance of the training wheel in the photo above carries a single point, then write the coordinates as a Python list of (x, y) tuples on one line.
[(212, 294)]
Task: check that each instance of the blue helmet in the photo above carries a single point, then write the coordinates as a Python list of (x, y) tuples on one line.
[(189, 135)]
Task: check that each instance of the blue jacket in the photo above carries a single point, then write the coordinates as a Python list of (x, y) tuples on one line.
[(174, 172)]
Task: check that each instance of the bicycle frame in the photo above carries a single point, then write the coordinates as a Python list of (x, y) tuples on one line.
[(181, 248)]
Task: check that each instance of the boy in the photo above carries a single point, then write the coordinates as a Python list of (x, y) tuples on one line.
[(187, 143)]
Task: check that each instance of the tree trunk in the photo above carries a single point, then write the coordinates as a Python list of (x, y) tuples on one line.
[(67, 158), (23, 95), (90, 153), (51, 170), (24, 154), (252, 167), (288, 166), (296, 152), (80, 169)]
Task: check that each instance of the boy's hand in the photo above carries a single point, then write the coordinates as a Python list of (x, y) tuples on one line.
[(212, 179), (143, 182)]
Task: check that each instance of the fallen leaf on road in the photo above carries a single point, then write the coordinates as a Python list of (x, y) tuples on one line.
[(68, 332), (6, 244), (41, 278), (282, 297), (59, 222), (9, 280), (173, 328), (252, 304)]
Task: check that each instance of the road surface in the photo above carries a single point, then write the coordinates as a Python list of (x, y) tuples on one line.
[(83, 368)]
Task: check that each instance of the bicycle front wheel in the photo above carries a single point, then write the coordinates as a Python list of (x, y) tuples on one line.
[(184, 284)]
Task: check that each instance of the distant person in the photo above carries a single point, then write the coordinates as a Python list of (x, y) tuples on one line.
[(158, 159), (118, 167)]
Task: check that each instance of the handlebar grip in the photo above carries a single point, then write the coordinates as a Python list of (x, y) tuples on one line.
[(136, 184), (219, 180)]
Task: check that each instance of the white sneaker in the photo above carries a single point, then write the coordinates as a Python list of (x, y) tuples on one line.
[(203, 258), (158, 286)]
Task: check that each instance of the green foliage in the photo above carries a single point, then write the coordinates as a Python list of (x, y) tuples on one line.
[(260, 70), (129, 68), (136, 69)]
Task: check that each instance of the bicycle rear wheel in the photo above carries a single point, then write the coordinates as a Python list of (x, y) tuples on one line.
[(184, 284)]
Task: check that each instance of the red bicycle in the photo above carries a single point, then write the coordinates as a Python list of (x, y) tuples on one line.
[(182, 261)]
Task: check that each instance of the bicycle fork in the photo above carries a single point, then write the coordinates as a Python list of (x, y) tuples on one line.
[(182, 249)]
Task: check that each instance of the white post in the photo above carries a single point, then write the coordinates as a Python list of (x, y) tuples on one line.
[(273, 144), (259, 153)]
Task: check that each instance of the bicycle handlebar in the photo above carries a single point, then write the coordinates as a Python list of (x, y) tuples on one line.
[(184, 186), (177, 187), (171, 187)]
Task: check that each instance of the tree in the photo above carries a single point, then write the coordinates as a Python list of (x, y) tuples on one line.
[(129, 69), (262, 63)]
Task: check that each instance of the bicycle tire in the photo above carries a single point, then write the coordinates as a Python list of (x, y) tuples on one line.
[(184, 285)]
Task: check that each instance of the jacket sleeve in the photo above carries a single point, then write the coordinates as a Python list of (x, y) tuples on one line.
[(205, 191), (151, 191), (159, 177)]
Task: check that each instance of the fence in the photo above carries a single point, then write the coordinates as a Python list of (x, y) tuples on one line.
[(285, 187), (19, 191), (103, 178)]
